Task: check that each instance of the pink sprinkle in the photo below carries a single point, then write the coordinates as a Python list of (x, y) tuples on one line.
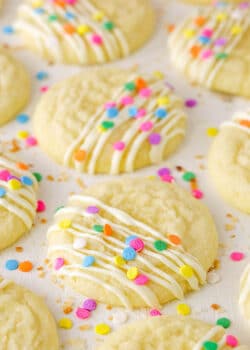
[(31, 141), (146, 126), (119, 146), (59, 262), (82, 313), (198, 194), (141, 113), (232, 341), (207, 54), (137, 244), (127, 100), (155, 312), (41, 206), (237, 256), (96, 39), (207, 32), (4, 175), (140, 280), (167, 178), (44, 88), (146, 92), (71, 2), (109, 105)]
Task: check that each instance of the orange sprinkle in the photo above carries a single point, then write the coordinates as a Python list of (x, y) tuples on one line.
[(245, 123), (25, 266), (22, 166), (69, 28), (108, 230), (171, 28), (200, 21), (193, 184), (195, 51), (60, 3), (80, 155), (140, 83), (174, 239)]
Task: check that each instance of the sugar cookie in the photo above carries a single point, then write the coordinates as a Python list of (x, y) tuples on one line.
[(212, 48), (109, 121), (229, 161), (14, 86), (17, 200), (85, 31), (133, 242), (171, 333), (244, 300), (208, 2), (25, 321)]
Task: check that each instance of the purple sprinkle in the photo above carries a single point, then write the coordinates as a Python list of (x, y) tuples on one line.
[(220, 42), (92, 210), (13, 177), (89, 304), (164, 171), (154, 139), (191, 103)]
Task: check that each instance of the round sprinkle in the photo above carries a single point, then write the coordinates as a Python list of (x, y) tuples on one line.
[(160, 245), (198, 194), (22, 118), (22, 134), (212, 132), (191, 103), (8, 30), (146, 126), (108, 230), (161, 113), (27, 181), (174, 239), (41, 206), (112, 112), (154, 139), (79, 243), (25, 266), (137, 244), (154, 313), (96, 39), (107, 125), (64, 224), (65, 323), (232, 341), (130, 86), (14, 184), (186, 271), (223, 322), (130, 238), (102, 329), (145, 92), (163, 101), (132, 111), (89, 304), (132, 273), (2, 192), (4, 175), (58, 264), (31, 141), (163, 171), (141, 280), (98, 228), (168, 178), (119, 146), (22, 166), (183, 309), (80, 155), (129, 254), (188, 176), (41, 75), (11, 264), (237, 256), (210, 345), (92, 210), (119, 261), (38, 176), (82, 313), (108, 25), (88, 261)]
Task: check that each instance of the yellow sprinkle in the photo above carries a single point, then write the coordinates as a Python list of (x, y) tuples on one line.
[(132, 273), (65, 224), (151, 177), (65, 323), (189, 33), (37, 3), (163, 101), (119, 261), (212, 132), (221, 17), (236, 30), (101, 129), (98, 16), (186, 271), (183, 309), (102, 329), (83, 29), (22, 134), (158, 74), (14, 184)]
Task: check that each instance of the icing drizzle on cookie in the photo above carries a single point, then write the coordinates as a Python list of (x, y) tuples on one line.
[(245, 284), (240, 120), (142, 111), (203, 43), (106, 243), (86, 30), (17, 191)]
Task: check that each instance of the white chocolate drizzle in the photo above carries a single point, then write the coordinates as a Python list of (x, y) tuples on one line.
[(237, 121), (245, 285)]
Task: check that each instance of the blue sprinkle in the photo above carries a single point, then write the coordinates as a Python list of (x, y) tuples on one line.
[(41, 75), (11, 265), (27, 181), (161, 113), (132, 111), (8, 29), (39, 10), (112, 112), (130, 238), (204, 39), (69, 15), (129, 254), (22, 118), (88, 261), (2, 192)]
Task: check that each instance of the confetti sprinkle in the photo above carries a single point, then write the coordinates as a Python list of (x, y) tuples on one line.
[(65, 323), (237, 256), (82, 313), (212, 132), (22, 118), (11, 264), (41, 206), (183, 309), (25, 266), (223, 322), (154, 313), (89, 304), (88, 261), (102, 329), (191, 103), (58, 264)]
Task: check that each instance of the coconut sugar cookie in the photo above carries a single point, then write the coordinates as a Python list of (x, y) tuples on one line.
[(85, 31), (212, 48), (229, 161), (18, 202), (109, 121), (244, 300), (134, 243), (25, 321), (14, 86), (171, 333)]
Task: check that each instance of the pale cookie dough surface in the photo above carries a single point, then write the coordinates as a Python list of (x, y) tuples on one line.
[(110, 121), (25, 321), (14, 86), (169, 333), (244, 299), (212, 48), (18, 203), (85, 31), (229, 161), (97, 229)]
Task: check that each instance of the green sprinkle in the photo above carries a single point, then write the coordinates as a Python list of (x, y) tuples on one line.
[(53, 18), (223, 322), (98, 228), (108, 25), (38, 177), (221, 55), (160, 245), (108, 125), (59, 208), (130, 86), (188, 176), (210, 345)]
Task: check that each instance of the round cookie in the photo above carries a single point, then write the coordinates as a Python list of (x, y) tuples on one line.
[(244, 300), (134, 242), (171, 333), (17, 200), (109, 121), (229, 161), (85, 31), (212, 48), (25, 321), (14, 86)]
